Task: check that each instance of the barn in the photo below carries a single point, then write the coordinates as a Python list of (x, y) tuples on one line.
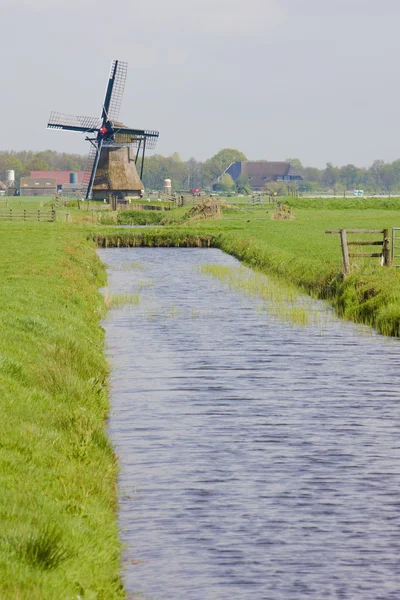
[(38, 186), (261, 172)]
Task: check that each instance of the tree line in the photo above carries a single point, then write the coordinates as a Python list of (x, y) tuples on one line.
[(379, 177), (25, 161), (193, 174)]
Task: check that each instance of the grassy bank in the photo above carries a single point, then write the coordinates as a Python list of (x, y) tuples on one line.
[(299, 251), (341, 203), (58, 471)]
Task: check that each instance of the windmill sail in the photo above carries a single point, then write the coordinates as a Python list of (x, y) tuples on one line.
[(73, 122), (126, 136), (115, 90), (90, 163)]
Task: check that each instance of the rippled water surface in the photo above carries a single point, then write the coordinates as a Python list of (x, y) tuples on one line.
[(259, 459)]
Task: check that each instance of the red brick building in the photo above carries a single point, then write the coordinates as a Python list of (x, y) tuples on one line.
[(61, 176)]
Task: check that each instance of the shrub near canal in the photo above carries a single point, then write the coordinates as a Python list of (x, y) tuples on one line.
[(58, 471)]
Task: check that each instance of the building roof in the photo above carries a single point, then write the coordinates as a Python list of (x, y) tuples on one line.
[(38, 182), (3, 186), (265, 168), (260, 172), (61, 176)]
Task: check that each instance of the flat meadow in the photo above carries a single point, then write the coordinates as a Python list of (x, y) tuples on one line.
[(298, 251), (59, 536)]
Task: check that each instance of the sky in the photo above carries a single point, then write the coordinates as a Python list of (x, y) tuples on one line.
[(312, 79)]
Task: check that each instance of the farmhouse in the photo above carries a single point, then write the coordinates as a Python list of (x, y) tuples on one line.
[(38, 186), (68, 182), (261, 172)]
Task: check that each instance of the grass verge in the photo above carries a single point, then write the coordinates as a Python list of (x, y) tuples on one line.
[(58, 471)]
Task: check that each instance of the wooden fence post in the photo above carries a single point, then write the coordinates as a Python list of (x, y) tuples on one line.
[(345, 251), (386, 248)]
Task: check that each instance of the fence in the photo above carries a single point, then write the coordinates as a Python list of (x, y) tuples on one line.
[(26, 215), (395, 246), (384, 243)]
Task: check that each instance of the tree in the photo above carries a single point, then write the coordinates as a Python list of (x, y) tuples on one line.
[(312, 174), (225, 184), (330, 176), (375, 172), (296, 164), (37, 164), (14, 164), (215, 166), (226, 157), (243, 185), (349, 176), (388, 177), (307, 187), (194, 175)]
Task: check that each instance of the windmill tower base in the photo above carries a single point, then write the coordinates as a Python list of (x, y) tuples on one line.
[(116, 175)]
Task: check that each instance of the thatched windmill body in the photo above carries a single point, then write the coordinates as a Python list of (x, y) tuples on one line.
[(115, 148)]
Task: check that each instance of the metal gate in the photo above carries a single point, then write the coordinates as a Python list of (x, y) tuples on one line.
[(396, 246)]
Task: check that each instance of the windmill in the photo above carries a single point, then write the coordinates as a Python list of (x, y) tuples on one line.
[(115, 148)]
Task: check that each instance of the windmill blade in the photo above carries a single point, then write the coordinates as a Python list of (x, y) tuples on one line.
[(90, 170), (115, 90), (124, 135), (73, 122)]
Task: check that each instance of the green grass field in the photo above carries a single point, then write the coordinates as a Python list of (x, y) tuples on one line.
[(302, 253), (58, 472)]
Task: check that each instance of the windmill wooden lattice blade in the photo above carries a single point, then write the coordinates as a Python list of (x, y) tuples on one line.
[(73, 122), (115, 89)]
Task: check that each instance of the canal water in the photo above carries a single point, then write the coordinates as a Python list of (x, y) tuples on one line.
[(260, 458)]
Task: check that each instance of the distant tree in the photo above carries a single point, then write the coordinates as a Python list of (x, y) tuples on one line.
[(388, 177), (396, 170), (243, 185), (37, 164), (312, 174), (349, 176), (307, 186), (296, 163), (330, 176), (227, 156), (225, 184), (14, 164), (215, 166), (177, 171), (194, 175), (376, 174), (156, 170)]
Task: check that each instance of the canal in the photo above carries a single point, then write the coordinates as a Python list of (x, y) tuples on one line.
[(258, 445)]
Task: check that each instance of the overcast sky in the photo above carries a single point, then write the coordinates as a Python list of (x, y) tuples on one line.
[(313, 79)]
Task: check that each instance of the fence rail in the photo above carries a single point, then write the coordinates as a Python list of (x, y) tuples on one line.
[(384, 255), (26, 215)]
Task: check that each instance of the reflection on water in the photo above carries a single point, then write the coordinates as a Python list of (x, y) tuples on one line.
[(259, 459)]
